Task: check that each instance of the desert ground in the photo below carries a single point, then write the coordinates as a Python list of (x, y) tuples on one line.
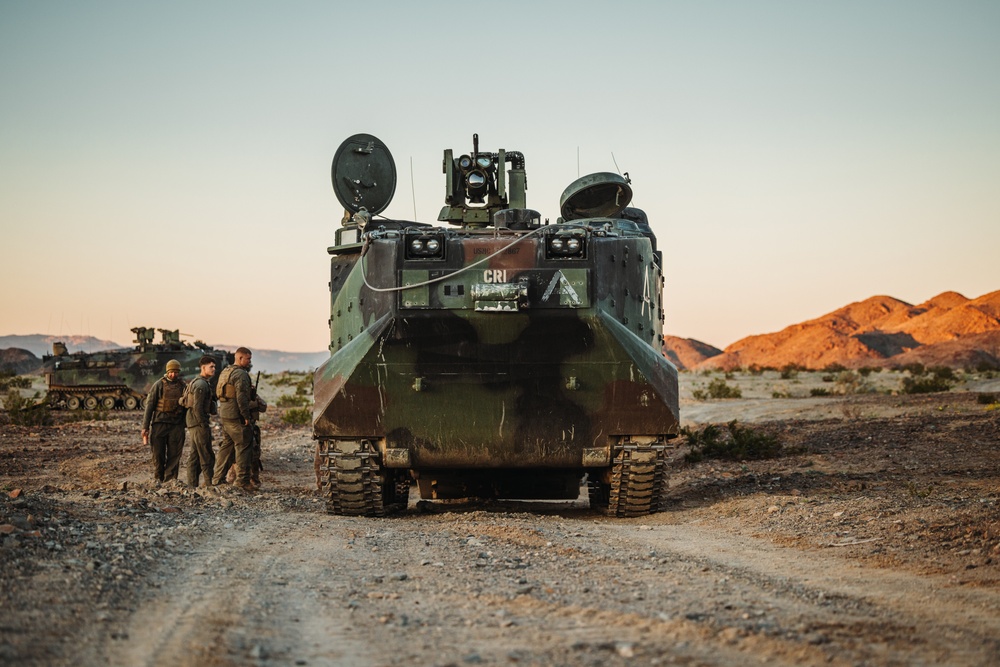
[(873, 540)]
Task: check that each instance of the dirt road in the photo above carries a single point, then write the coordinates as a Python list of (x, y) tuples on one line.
[(549, 587), (870, 546)]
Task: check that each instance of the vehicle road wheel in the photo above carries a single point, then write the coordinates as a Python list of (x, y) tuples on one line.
[(131, 402), (73, 402), (90, 402), (108, 402)]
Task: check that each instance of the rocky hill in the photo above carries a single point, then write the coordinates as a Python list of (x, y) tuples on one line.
[(15, 361), (948, 330), (686, 353)]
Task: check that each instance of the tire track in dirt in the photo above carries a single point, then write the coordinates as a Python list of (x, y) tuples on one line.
[(252, 596), (919, 618)]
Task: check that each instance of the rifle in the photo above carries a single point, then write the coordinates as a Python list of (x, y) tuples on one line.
[(256, 427), (255, 411)]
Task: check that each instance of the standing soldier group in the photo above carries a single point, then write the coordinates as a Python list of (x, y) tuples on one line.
[(172, 405)]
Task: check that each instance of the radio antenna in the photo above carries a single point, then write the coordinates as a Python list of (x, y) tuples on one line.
[(412, 191)]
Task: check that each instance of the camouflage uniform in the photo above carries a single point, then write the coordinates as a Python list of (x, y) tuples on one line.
[(257, 406), (235, 393), (164, 419), (201, 458)]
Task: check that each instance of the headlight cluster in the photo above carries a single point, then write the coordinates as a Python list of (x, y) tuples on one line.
[(565, 246), (424, 246)]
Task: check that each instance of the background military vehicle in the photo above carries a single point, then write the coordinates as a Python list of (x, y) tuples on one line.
[(121, 378), (497, 357)]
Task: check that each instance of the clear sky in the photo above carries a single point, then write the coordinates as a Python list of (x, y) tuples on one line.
[(168, 164)]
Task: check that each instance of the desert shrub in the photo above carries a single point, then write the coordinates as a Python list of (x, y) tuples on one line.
[(24, 412), (942, 372), (780, 394), (868, 370), (827, 378), (916, 369), (986, 367), (789, 371), (717, 388), (928, 385), (852, 411), (731, 442), (297, 416), (916, 491), (986, 399), (10, 381), (849, 382), (292, 401), (820, 391), (301, 381), (834, 368)]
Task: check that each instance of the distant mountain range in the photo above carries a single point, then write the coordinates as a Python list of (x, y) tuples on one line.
[(275, 361), (268, 361), (948, 330), (39, 344)]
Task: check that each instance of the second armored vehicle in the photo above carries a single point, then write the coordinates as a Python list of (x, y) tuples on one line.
[(493, 355), (121, 378)]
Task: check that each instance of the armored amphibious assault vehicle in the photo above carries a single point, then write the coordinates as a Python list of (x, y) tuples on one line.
[(491, 354), (121, 378)]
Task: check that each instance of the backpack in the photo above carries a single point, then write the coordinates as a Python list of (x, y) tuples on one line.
[(223, 390), (187, 396)]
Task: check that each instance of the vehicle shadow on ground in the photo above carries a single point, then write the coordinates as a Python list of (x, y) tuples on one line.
[(575, 509)]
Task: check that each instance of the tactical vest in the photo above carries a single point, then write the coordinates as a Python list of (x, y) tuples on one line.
[(170, 397), (225, 390)]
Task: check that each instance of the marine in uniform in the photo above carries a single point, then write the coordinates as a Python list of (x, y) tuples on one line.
[(238, 410), (163, 423), (200, 403)]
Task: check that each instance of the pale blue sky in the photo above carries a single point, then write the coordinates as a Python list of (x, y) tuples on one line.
[(792, 156)]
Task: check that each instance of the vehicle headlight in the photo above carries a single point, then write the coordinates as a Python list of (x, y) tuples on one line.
[(566, 246), (425, 246)]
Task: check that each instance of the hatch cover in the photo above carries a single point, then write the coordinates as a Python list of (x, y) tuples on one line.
[(601, 195)]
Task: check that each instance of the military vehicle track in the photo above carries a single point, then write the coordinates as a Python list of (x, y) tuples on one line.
[(91, 398), (638, 482), (356, 485)]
